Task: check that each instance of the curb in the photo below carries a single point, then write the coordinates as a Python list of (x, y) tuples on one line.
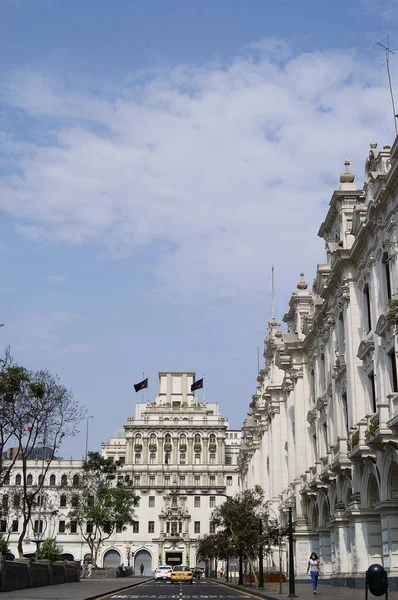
[(125, 587)]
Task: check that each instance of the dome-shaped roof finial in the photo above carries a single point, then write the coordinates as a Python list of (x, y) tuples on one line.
[(347, 176), (302, 285)]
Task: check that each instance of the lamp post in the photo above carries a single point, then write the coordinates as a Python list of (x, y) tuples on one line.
[(90, 417), (260, 555), (292, 583)]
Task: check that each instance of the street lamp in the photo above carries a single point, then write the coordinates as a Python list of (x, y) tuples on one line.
[(292, 583), (260, 555), (90, 417)]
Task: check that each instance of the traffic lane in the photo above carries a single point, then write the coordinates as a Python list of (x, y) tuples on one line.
[(202, 589)]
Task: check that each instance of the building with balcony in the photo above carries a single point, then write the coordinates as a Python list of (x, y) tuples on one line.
[(321, 432), (182, 460)]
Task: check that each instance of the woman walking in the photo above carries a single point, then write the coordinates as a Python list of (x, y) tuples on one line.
[(314, 567)]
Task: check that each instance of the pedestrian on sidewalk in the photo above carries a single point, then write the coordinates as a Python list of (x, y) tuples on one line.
[(89, 569), (314, 567)]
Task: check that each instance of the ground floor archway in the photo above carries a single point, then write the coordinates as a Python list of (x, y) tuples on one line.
[(143, 563), (111, 559)]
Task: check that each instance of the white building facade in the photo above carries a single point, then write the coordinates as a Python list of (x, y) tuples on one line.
[(321, 433), (182, 460)]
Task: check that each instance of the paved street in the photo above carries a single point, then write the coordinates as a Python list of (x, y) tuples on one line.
[(137, 588)]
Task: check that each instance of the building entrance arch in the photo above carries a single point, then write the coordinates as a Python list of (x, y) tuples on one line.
[(111, 559), (143, 557)]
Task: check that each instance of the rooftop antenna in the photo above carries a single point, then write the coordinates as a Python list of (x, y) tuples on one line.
[(273, 294), (388, 51)]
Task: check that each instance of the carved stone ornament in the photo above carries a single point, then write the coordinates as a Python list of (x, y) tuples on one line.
[(287, 385), (295, 373)]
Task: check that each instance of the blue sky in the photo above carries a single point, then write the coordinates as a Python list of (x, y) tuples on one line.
[(156, 159)]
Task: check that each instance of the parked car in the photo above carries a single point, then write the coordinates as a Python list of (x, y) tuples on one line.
[(181, 573), (163, 572)]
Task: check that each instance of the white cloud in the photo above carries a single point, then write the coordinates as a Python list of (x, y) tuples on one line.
[(221, 170)]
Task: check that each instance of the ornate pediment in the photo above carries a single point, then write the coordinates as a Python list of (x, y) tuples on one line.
[(382, 327), (366, 348)]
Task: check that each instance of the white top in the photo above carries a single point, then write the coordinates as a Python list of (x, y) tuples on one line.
[(313, 565)]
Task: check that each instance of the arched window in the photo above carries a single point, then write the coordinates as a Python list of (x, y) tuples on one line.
[(18, 479), (40, 480), (197, 438), (76, 480), (52, 480), (29, 480), (64, 480), (212, 438), (167, 438)]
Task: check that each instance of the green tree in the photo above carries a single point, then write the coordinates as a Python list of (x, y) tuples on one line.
[(99, 504), (36, 411), (238, 518), (4, 549), (50, 550)]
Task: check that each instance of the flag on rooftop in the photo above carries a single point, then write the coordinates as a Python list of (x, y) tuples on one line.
[(197, 385), (141, 385)]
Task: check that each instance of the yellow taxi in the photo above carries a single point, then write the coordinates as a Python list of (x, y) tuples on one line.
[(181, 574)]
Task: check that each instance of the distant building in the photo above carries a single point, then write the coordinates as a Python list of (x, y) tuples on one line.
[(34, 453), (182, 460)]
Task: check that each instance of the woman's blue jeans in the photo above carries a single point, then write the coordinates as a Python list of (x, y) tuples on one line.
[(314, 579)]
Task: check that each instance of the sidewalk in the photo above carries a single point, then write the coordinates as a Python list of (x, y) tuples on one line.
[(304, 591), (86, 589)]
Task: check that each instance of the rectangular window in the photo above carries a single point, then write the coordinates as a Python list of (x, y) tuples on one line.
[(212, 527), (152, 459), (196, 502), (392, 367), (151, 526), (136, 526), (197, 480), (137, 480), (212, 501), (196, 527), (138, 459), (197, 459), (151, 480), (182, 480), (366, 308), (229, 479), (62, 501), (122, 460), (372, 392), (345, 414), (3, 526), (228, 460), (61, 527), (151, 501), (212, 459), (89, 527), (73, 526), (387, 274), (15, 525), (182, 459), (212, 480)]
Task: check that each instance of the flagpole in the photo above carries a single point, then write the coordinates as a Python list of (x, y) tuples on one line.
[(142, 395), (204, 389), (273, 294)]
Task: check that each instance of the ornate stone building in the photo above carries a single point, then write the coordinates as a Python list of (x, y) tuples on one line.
[(321, 433), (182, 459)]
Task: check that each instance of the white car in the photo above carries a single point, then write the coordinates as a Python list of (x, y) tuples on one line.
[(163, 572)]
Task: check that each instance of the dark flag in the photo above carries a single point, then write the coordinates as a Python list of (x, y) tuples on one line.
[(141, 385), (197, 385)]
